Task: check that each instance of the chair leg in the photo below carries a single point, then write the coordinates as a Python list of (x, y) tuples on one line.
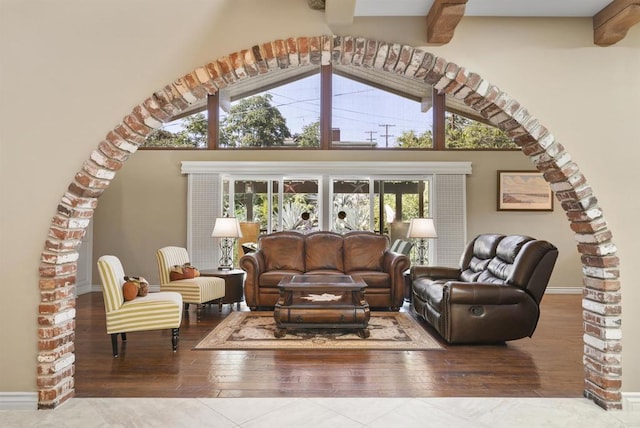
[(186, 306), (174, 338), (124, 337), (114, 344)]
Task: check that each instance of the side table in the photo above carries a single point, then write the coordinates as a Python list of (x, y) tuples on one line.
[(233, 285), (408, 292)]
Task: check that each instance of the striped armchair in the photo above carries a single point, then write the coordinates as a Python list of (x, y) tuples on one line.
[(197, 290), (155, 311)]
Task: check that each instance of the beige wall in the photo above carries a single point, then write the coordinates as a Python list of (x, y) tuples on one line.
[(151, 186), (71, 69)]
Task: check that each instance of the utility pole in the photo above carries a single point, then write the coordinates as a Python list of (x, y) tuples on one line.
[(370, 139), (386, 134)]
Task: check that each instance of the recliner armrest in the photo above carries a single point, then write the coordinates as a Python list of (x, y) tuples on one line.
[(435, 272), (479, 293)]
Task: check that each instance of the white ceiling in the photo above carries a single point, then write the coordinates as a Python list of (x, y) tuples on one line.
[(534, 8)]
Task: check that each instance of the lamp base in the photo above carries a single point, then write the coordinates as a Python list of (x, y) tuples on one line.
[(225, 267)]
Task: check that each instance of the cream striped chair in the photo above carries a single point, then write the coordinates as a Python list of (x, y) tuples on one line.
[(197, 290), (155, 311)]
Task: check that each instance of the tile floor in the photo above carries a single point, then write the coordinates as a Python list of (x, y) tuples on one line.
[(323, 412)]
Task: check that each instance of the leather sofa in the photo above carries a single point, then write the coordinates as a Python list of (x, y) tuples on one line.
[(493, 296), (358, 253)]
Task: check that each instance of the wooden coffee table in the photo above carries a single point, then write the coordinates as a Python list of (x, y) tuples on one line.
[(321, 301)]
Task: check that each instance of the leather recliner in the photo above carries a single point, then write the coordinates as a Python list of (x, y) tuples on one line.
[(493, 296)]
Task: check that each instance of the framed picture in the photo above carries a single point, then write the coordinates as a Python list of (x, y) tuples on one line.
[(523, 191)]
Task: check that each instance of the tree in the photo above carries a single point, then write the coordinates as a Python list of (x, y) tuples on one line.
[(193, 134), (464, 133), (310, 136), (409, 139), (254, 122)]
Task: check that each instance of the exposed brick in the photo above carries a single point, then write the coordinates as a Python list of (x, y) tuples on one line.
[(603, 320), (54, 307), (607, 358), (603, 261), (51, 380), (304, 50), (75, 188), (62, 291), (205, 80), (50, 271), (145, 116), (425, 67), (96, 171), (436, 72), (269, 57), (53, 397), (347, 51), (124, 139), (602, 296), (155, 109), (604, 382), (56, 342), (52, 355), (163, 99), (315, 50), (589, 226), (87, 180), (601, 284), (404, 60), (282, 55), (128, 135), (136, 125), (54, 282), (369, 53), (175, 98), (381, 55), (393, 57), (54, 331)]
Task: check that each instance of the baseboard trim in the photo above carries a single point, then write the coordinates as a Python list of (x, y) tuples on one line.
[(563, 290), (631, 401), (18, 401)]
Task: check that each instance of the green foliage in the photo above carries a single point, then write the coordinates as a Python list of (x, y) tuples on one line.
[(463, 133), (194, 134), (254, 122), (310, 136), (409, 139)]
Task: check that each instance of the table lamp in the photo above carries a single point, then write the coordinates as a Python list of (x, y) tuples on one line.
[(421, 229), (228, 229)]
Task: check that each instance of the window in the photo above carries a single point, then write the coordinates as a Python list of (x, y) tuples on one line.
[(330, 107)]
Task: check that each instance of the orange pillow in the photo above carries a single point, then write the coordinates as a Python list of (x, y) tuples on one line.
[(130, 290), (185, 271), (134, 286)]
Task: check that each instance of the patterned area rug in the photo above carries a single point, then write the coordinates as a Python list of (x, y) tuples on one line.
[(255, 330)]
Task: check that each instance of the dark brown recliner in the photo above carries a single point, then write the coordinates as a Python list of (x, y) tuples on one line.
[(361, 254), (494, 295)]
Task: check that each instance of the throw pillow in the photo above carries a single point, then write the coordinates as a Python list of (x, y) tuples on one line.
[(185, 271), (134, 286)]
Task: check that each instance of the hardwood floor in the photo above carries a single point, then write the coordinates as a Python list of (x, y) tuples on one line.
[(547, 365)]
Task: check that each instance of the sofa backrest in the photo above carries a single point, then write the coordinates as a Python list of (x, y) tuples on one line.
[(282, 250), (516, 260), (477, 255), (365, 251), (323, 250)]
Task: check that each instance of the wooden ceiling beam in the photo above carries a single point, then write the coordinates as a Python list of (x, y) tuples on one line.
[(442, 20), (612, 23)]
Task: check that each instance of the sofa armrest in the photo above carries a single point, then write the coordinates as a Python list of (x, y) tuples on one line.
[(253, 264), (479, 293), (395, 264), (435, 272)]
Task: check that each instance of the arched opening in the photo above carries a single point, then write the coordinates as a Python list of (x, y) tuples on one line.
[(58, 267)]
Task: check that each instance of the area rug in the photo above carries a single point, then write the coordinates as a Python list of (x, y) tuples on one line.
[(255, 330)]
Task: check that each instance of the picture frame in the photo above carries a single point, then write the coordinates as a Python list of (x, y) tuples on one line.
[(523, 191)]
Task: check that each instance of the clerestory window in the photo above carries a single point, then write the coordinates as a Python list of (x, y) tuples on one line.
[(330, 107)]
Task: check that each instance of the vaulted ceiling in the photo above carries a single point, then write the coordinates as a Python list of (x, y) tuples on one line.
[(611, 19)]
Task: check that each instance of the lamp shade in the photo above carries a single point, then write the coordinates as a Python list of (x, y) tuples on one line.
[(421, 228), (226, 227)]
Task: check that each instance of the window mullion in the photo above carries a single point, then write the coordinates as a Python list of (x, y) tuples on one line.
[(326, 97)]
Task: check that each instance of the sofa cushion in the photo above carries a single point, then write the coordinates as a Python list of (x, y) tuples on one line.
[(284, 251), (430, 291), (323, 251), (364, 251), (373, 279), (271, 279)]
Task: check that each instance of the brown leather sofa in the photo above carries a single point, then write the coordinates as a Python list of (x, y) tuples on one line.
[(358, 253), (494, 295)]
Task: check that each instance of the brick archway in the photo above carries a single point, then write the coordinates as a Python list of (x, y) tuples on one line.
[(601, 292)]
